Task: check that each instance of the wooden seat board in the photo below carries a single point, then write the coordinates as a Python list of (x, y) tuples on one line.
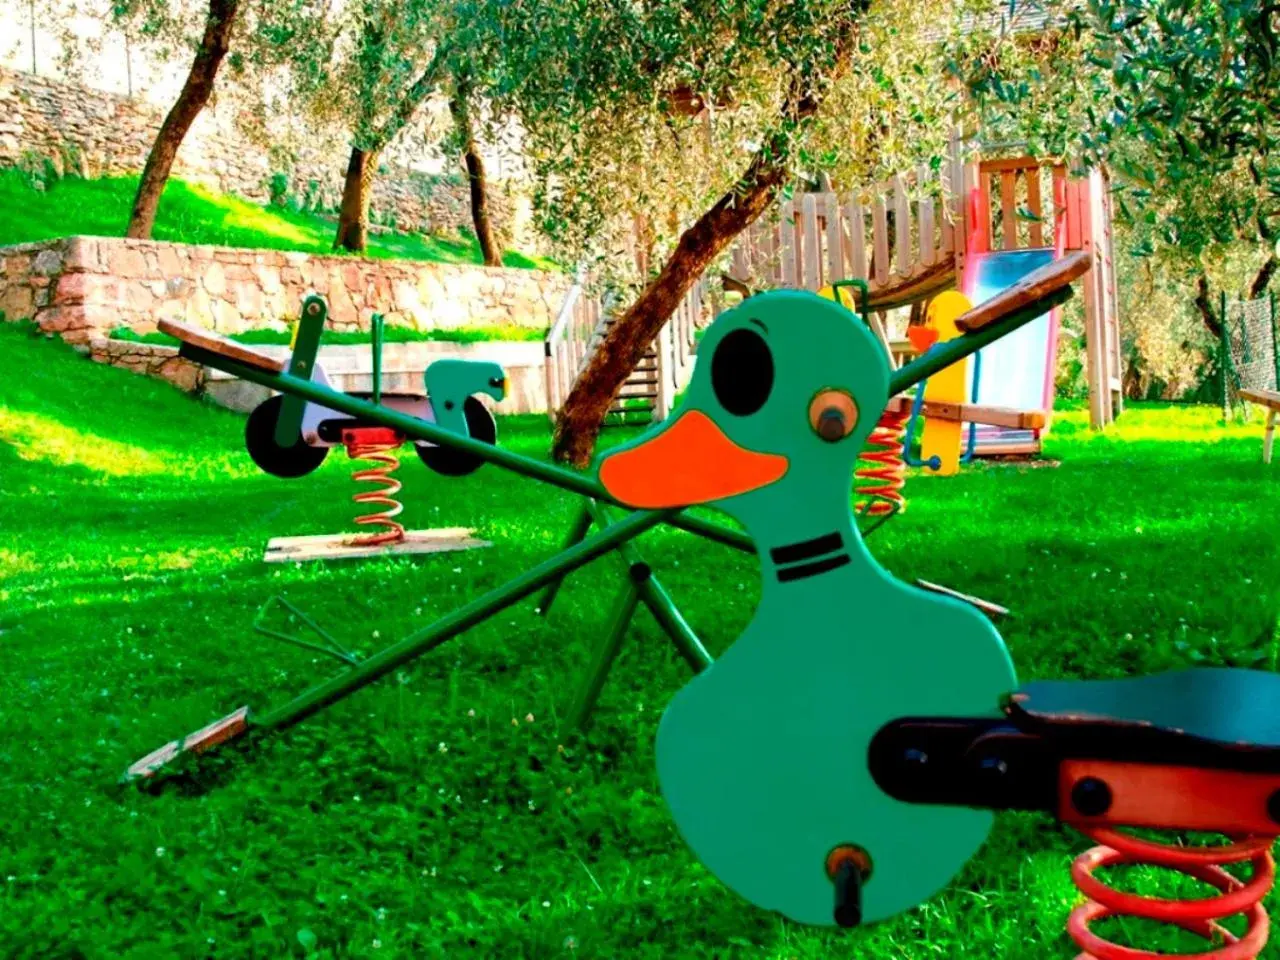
[(211, 342)]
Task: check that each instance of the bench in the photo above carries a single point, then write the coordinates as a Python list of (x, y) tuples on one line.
[(1271, 400)]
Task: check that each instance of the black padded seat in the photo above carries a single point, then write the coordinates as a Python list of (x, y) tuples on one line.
[(1217, 717)]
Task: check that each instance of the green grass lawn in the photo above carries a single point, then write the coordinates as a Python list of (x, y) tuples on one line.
[(190, 213), (435, 814)]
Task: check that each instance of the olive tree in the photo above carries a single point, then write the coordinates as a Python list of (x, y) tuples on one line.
[(1179, 100), (684, 121)]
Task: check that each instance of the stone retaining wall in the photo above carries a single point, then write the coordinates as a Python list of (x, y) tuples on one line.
[(349, 368), (92, 133), (85, 287)]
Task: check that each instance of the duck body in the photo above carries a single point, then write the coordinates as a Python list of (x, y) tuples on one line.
[(763, 757)]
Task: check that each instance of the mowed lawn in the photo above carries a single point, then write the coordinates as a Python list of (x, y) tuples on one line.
[(447, 811)]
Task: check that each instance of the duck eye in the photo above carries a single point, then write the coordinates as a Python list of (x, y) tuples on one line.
[(833, 415), (742, 372)]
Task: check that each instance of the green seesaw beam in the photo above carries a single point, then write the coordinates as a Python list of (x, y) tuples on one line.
[(1023, 304)]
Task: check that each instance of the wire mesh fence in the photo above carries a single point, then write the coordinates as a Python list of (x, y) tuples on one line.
[(1249, 351)]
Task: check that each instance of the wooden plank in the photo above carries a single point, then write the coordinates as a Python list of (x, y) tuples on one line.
[(1076, 234), (215, 343), (925, 218), (987, 415), (835, 248), (1009, 210), (1034, 286), (984, 214), (1010, 165), (1034, 205), (338, 546), (901, 225), (787, 244), (857, 240), (811, 278), (880, 239), (1267, 398), (1012, 448)]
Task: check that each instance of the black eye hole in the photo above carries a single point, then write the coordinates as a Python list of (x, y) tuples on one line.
[(742, 372)]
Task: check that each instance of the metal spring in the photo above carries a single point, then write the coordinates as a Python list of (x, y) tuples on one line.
[(1197, 916), (388, 463), (879, 487)]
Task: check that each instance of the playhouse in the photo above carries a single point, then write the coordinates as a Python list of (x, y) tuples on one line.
[(978, 225)]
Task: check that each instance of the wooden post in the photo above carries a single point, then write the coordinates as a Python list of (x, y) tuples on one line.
[(812, 267), (835, 248)]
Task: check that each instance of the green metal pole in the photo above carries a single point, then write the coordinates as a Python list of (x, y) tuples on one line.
[(302, 359), (624, 609), (656, 598), (580, 527), (376, 331), (449, 626)]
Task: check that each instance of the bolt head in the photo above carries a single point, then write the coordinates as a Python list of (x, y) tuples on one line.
[(1091, 797)]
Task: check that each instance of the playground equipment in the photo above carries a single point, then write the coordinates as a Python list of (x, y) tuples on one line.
[(615, 535), (840, 771), (1250, 360), (289, 437), (975, 225)]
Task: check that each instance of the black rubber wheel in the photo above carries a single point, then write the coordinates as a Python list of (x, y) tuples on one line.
[(260, 441), (455, 463)]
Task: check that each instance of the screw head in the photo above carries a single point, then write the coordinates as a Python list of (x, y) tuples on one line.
[(1091, 797)]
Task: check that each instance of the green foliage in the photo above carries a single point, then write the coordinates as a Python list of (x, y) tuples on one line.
[(609, 100), (1178, 99), (278, 187), (437, 814), (191, 214)]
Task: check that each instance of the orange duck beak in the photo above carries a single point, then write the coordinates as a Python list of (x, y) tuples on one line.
[(690, 462)]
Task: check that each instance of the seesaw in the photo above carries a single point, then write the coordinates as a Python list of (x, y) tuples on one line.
[(1018, 305), (839, 770)]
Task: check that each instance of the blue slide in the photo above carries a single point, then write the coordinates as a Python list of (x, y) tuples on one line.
[(1017, 370)]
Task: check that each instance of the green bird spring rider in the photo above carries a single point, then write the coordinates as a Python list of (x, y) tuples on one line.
[(839, 770)]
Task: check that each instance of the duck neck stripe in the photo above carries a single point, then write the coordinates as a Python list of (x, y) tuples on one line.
[(803, 571), (807, 549)]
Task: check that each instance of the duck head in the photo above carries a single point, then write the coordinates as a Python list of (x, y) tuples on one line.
[(787, 388)]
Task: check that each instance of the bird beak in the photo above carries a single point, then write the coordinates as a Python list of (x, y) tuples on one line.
[(689, 462), (922, 338)]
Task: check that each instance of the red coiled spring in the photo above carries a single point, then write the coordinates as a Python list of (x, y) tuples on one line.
[(879, 487), (1198, 916), (376, 444)]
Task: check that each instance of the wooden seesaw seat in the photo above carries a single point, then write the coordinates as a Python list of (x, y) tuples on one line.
[(1271, 400), (208, 341)]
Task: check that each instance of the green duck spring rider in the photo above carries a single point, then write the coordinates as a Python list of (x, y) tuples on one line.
[(839, 770)]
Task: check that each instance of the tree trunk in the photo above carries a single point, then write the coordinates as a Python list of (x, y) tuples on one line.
[(353, 215), (196, 91), (1204, 305), (490, 249), (629, 338), (1262, 279)]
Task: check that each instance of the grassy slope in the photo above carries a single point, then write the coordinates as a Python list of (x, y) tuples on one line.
[(429, 816), (191, 214)]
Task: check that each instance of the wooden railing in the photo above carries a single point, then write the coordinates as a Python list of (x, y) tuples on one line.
[(901, 236), (582, 323)]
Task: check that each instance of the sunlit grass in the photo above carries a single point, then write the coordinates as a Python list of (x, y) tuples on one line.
[(447, 811), (40, 439), (191, 213)]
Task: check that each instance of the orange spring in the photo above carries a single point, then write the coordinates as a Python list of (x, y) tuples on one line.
[(388, 463), (881, 483), (1200, 917)]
